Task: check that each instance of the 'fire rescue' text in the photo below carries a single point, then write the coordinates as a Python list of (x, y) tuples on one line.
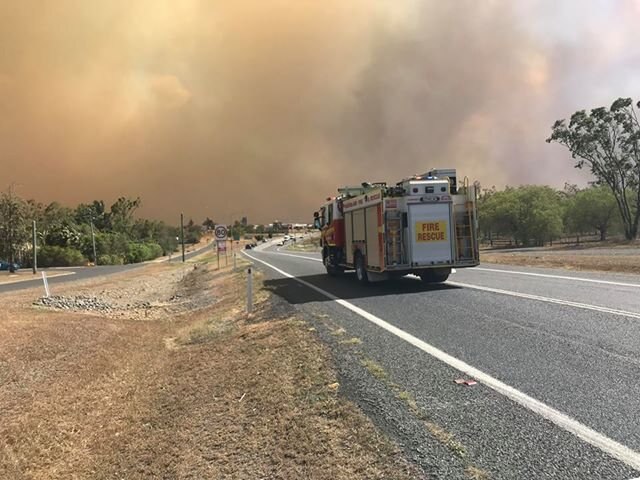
[(431, 231)]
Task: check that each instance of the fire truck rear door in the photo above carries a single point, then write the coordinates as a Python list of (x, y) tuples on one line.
[(430, 235)]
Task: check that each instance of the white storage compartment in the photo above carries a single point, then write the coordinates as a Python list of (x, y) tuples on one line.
[(430, 234)]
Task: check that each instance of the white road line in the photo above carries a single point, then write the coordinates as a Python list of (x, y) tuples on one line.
[(540, 298), (561, 277), (296, 256), (31, 279), (598, 440)]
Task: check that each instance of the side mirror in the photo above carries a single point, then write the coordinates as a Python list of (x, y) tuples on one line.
[(316, 214), (316, 223)]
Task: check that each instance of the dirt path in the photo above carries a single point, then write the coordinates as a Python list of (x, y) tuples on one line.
[(171, 380)]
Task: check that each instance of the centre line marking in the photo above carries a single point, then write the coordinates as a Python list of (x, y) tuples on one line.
[(585, 306), (296, 256), (611, 447)]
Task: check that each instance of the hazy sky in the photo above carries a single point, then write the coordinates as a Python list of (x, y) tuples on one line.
[(263, 108)]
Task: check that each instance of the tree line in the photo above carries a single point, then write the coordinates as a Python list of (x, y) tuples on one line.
[(66, 236), (604, 140), (536, 214)]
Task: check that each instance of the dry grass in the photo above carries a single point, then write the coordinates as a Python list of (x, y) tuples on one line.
[(375, 369), (475, 473), (208, 394), (605, 263), (446, 438), (309, 243)]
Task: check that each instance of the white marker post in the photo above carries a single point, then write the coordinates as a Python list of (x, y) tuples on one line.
[(46, 284), (249, 291)]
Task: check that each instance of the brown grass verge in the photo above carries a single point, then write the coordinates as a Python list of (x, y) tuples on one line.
[(208, 394), (603, 263)]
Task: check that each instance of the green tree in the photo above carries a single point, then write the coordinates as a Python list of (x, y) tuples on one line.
[(57, 226), (121, 214), (192, 232), (96, 212), (497, 214), (608, 142), (14, 231), (530, 213), (209, 224), (592, 209)]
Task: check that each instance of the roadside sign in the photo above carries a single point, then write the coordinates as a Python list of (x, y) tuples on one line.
[(220, 232), (222, 246)]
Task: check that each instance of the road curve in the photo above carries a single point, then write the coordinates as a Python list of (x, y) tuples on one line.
[(83, 273)]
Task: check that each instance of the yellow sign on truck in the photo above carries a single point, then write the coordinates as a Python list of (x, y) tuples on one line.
[(435, 231)]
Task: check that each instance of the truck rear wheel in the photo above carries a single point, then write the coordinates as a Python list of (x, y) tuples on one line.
[(361, 269), (435, 276)]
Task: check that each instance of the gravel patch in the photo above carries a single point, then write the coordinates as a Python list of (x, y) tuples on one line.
[(80, 302), (154, 294)]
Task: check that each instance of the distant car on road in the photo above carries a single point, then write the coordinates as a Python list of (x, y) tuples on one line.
[(248, 246), (4, 265), (280, 243)]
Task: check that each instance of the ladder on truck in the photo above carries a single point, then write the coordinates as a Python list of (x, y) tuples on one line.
[(466, 247), (394, 239)]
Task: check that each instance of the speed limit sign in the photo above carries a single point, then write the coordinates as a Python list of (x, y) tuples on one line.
[(220, 232)]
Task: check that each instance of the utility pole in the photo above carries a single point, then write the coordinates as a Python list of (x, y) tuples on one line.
[(35, 249), (93, 241), (13, 213), (182, 234)]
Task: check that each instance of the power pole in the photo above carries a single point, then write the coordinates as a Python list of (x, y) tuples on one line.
[(93, 241), (12, 230), (182, 234), (35, 249)]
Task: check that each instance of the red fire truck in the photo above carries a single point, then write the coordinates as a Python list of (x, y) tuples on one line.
[(424, 225)]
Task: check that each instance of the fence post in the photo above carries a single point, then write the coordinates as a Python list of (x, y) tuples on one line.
[(249, 291), (35, 249)]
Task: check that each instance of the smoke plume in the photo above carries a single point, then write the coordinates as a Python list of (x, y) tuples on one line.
[(263, 108)]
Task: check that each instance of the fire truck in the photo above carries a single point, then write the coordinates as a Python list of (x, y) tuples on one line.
[(424, 225)]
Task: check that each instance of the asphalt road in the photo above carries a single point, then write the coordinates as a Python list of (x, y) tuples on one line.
[(556, 353), (83, 273)]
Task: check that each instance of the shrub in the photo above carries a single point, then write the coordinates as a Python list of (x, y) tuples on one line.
[(156, 250), (136, 253), (110, 260), (142, 252), (54, 256), (110, 244)]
